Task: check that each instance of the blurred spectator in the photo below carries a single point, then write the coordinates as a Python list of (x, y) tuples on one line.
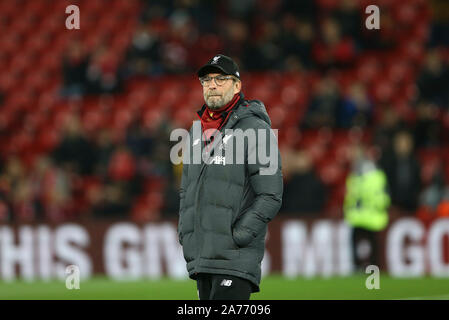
[(296, 41), (427, 127), (5, 210), (206, 14), (389, 123), (16, 187), (52, 188), (160, 155), (19, 192), (161, 161), (241, 8), (104, 148), (153, 10), (403, 172), (434, 199), (75, 152), (74, 68), (123, 169), (23, 204), (433, 193), (440, 23), (144, 54), (433, 81), (356, 107), (113, 201), (331, 49), (171, 193), (140, 139), (177, 45), (349, 18), (305, 9), (324, 105), (122, 166), (13, 172), (237, 43), (304, 192), (171, 200), (264, 51), (103, 74)]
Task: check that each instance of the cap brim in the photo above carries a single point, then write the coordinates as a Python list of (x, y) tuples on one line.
[(210, 69)]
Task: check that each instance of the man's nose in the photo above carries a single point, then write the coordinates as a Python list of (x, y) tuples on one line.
[(212, 91), (212, 85)]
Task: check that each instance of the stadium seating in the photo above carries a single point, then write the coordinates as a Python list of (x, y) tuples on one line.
[(33, 42)]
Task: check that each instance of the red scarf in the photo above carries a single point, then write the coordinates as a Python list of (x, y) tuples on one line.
[(213, 119)]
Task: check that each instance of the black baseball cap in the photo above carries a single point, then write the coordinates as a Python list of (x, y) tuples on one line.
[(220, 64)]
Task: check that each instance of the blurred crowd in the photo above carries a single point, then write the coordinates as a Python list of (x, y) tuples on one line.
[(92, 176), (103, 174)]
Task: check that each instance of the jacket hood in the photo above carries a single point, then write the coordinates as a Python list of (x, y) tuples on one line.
[(252, 108)]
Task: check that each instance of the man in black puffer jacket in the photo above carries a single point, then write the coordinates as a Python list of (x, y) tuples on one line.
[(226, 204)]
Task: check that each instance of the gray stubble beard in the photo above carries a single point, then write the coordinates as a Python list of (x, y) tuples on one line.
[(220, 102)]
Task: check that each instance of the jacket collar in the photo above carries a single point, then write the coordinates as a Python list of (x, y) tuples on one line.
[(224, 114)]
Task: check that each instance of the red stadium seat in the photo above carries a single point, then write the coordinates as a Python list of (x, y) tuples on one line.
[(405, 13), (147, 208), (47, 139), (327, 4), (330, 172), (399, 71), (382, 90), (277, 115)]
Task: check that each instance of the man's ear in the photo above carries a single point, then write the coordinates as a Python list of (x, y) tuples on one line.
[(237, 87)]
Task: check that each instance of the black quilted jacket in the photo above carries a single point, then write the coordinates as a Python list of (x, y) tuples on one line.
[(225, 208)]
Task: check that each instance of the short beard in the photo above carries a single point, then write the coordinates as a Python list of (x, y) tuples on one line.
[(219, 103)]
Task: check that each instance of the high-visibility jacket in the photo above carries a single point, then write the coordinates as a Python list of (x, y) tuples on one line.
[(366, 201)]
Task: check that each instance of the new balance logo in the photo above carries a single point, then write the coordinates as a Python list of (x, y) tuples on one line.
[(196, 142), (226, 283)]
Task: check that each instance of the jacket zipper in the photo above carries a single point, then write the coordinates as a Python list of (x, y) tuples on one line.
[(197, 216)]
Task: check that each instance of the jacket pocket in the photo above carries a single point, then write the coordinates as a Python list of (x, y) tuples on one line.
[(242, 233), (218, 246), (186, 223), (243, 237), (188, 247)]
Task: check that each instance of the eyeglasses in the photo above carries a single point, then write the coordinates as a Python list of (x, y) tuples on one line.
[(219, 80)]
